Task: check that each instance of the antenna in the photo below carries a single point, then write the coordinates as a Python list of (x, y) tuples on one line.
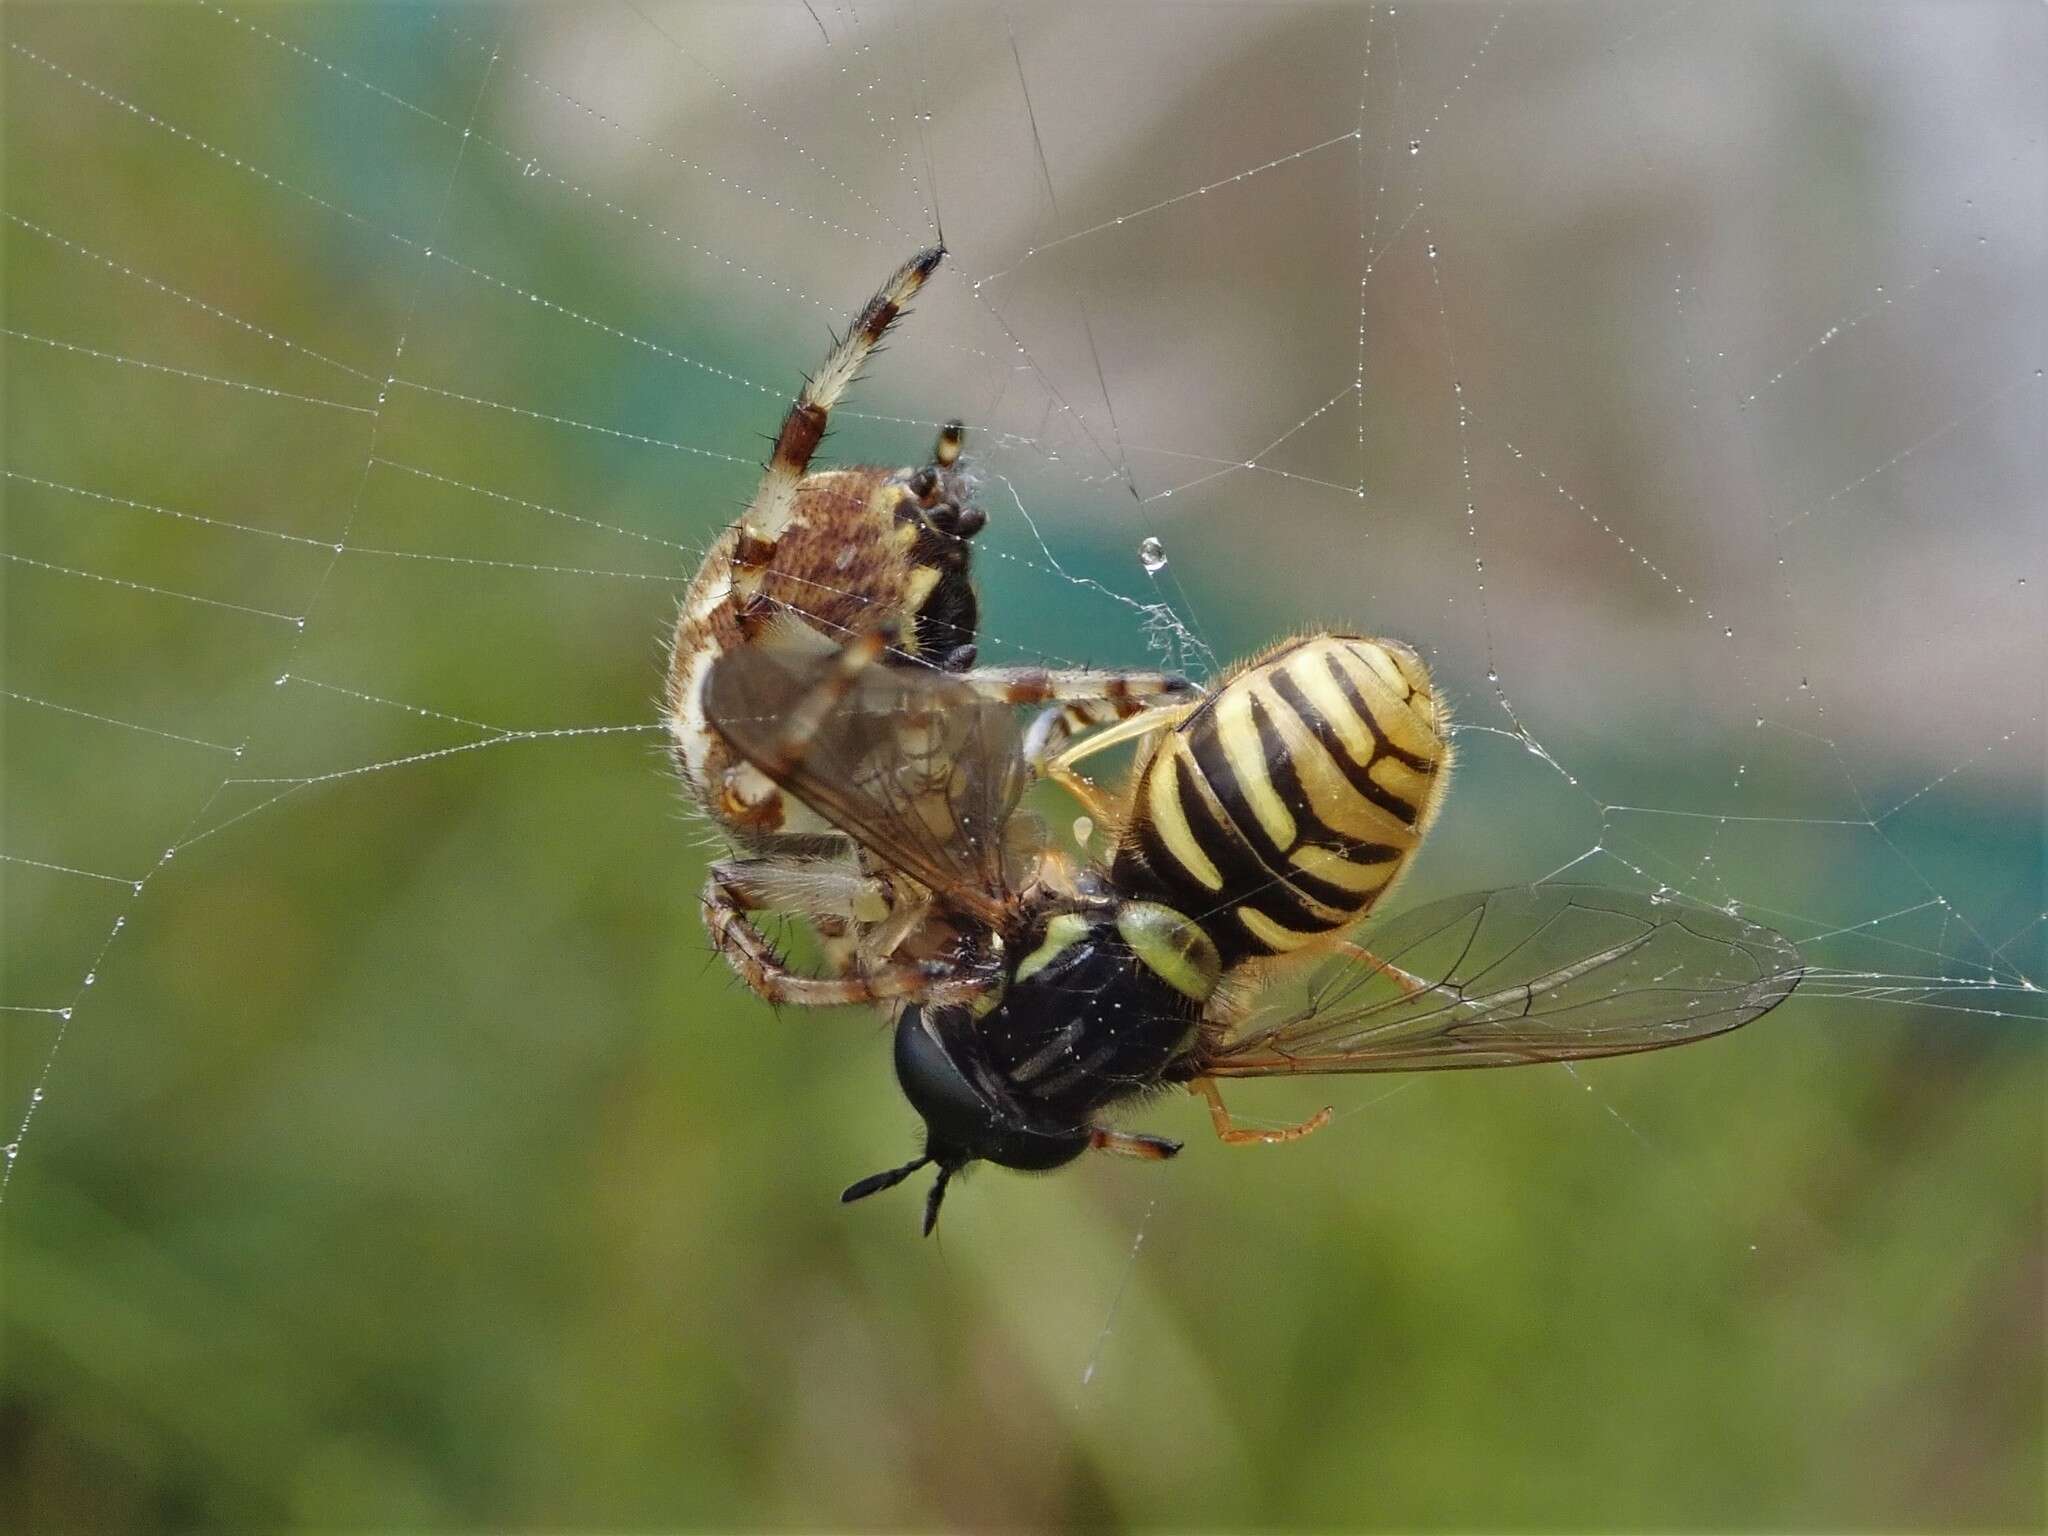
[(889, 1178)]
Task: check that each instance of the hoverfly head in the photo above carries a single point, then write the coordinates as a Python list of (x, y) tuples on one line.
[(968, 1115)]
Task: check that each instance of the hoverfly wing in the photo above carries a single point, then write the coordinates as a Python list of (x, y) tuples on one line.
[(909, 762), (1526, 974)]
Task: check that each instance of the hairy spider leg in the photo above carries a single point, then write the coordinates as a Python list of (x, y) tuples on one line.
[(767, 515)]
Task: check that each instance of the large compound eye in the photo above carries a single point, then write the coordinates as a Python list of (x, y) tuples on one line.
[(964, 1122), (955, 1112)]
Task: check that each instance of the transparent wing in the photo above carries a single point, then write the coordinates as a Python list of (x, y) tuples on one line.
[(1530, 973), (909, 763)]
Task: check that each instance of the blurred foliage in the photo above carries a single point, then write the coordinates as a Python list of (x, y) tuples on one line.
[(408, 1164)]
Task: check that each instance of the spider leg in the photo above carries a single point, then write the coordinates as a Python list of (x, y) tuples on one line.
[(768, 514), (728, 899), (1095, 695)]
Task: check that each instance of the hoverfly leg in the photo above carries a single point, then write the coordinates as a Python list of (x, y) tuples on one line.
[(1055, 743), (1410, 984), (1227, 1130), (1151, 1149)]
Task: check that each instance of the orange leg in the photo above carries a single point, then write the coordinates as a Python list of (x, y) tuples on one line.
[(1409, 983), (1151, 1149), (1228, 1132)]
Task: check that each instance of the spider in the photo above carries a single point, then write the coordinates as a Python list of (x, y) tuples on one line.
[(818, 557)]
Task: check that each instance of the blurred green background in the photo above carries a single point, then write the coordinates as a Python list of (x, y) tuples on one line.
[(395, 1155)]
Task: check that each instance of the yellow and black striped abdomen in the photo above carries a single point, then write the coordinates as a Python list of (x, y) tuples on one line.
[(1287, 804)]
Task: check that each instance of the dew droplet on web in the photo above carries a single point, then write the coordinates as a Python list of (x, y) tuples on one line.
[(1415, 146), (1152, 556)]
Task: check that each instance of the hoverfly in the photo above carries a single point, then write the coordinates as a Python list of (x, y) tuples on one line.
[(1262, 822)]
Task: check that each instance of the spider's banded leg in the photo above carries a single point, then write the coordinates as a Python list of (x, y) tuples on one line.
[(753, 959), (833, 896), (767, 515), (881, 940), (1099, 695), (1227, 1130), (829, 893)]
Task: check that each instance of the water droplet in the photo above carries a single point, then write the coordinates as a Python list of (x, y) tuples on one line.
[(531, 168), (1152, 556), (1432, 250), (1727, 634), (1415, 146), (91, 977)]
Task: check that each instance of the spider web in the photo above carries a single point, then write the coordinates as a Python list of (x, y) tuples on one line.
[(376, 376)]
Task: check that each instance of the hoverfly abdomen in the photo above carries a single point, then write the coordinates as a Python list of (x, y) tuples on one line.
[(1280, 811)]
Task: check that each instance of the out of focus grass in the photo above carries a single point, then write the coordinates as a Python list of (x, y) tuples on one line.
[(408, 1163)]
